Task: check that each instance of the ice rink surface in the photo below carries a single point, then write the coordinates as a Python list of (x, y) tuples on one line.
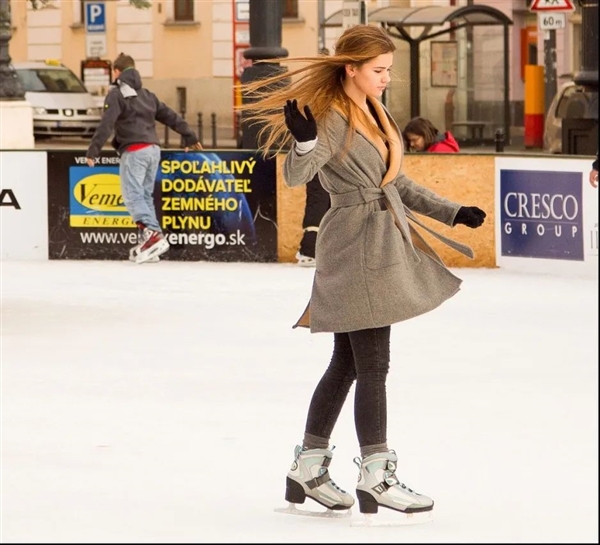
[(162, 403)]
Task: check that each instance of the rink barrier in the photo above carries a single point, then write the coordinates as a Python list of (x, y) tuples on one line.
[(467, 179), (542, 213), (212, 206), (51, 199)]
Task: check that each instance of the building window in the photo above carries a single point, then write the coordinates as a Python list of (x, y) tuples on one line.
[(184, 10), (290, 9)]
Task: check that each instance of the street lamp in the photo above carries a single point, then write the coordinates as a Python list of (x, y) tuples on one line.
[(265, 44), (10, 85)]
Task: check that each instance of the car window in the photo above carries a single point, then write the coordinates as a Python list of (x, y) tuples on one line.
[(42, 80)]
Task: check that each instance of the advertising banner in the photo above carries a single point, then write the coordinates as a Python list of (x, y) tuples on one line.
[(547, 215), (211, 205), (23, 205)]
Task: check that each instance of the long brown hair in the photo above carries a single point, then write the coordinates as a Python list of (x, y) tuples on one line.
[(318, 84)]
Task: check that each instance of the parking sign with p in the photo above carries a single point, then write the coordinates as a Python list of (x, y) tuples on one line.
[(95, 17), (95, 29)]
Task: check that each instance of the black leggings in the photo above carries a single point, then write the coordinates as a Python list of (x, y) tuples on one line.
[(363, 356)]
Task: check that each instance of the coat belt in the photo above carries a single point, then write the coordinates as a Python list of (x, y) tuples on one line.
[(359, 196), (400, 213), (393, 200)]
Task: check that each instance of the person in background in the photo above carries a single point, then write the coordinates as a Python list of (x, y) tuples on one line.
[(130, 111), (317, 203), (594, 173), (421, 135), (373, 268)]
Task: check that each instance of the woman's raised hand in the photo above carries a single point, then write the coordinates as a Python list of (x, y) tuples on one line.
[(303, 129)]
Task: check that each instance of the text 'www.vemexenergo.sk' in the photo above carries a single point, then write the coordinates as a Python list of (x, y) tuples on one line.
[(208, 240)]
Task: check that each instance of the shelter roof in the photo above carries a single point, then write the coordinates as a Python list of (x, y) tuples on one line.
[(430, 16)]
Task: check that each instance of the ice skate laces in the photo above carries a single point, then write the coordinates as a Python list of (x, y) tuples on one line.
[(324, 471), (389, 476), (330, 480)]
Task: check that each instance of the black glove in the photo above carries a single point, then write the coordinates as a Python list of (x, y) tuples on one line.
[(302, 128), (471, 216)]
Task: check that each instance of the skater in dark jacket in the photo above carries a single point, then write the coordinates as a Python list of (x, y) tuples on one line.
[(131, 112), (421, 135)]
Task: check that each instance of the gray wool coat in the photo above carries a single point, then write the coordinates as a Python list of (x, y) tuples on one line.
[(373, 268)]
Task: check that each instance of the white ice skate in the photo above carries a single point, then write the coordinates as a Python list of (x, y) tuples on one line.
[(135, 250), (305, 261), (152, 245), (378, 486), (309, 478)]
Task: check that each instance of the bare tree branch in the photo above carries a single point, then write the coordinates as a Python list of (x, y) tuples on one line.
[(140, 4)]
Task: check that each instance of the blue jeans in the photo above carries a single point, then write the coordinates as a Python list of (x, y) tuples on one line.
[(138, 175), (361, 356)]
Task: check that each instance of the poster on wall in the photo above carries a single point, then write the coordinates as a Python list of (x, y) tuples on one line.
[(211, 205), (444, 64), (547, 215)]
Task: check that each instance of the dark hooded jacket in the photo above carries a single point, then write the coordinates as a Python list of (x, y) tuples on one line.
[(131, 112)]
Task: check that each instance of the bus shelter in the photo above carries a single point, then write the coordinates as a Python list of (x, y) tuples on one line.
[(434, 21)]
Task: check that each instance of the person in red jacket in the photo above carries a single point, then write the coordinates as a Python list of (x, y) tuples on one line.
[(421, 134)]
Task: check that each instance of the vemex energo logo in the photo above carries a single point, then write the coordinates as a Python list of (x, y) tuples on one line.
[(95, 198)]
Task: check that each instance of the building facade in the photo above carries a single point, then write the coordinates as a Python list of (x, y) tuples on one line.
[(198, 45)]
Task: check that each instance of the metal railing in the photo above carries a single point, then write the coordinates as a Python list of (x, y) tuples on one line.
[(220, 136)]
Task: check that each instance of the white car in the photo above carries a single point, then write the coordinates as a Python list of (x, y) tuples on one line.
[(572, 101), (62, 106)]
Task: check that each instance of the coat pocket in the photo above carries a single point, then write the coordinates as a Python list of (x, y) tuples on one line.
[(384, 244)]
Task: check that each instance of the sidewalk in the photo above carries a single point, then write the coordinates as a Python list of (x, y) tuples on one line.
[(83, 143), (230, 143)]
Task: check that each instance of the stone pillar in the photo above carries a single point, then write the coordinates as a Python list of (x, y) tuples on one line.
[(16, 115)]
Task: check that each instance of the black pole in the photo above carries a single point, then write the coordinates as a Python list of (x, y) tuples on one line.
[(506, 87), (550, 86), (200, 128), (10, 85), (213, 129), (415, 84), (499, 140), (265, 43)]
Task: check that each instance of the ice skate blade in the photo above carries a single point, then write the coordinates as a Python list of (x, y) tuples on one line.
[(393, 518), (157, 250), (291, 509), (154, 259)]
